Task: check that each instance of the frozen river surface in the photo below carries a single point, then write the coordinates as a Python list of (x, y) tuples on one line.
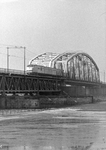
[(76, 128)]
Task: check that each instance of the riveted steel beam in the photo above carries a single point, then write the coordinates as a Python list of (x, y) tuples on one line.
[(28, 84)]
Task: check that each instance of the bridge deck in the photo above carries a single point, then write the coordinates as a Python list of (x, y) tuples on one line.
[(15, 81), (18, 82)]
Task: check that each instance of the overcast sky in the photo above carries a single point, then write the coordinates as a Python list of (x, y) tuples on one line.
[(53, 25)]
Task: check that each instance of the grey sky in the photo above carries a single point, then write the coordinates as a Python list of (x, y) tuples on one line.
[(53, 25)]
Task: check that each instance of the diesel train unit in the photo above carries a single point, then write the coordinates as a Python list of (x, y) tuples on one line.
[(42, 70)]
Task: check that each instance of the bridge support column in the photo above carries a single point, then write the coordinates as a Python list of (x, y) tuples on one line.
[(3, 85), (75, 91)]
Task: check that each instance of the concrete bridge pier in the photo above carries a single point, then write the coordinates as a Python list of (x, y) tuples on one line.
[(97, 92)]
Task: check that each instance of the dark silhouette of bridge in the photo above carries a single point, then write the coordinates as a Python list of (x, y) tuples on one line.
[(79, 69)]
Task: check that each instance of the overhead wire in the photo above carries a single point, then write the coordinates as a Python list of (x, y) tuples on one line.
[(15, 47)]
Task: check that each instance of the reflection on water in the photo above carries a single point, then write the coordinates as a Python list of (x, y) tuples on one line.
[(46, 148), (64, 130)]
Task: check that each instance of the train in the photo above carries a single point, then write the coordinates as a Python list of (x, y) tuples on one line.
[(43, 70)]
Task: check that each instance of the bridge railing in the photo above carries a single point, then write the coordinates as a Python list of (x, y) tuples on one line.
[(12, 71)]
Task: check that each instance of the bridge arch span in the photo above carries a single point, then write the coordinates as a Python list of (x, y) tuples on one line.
[(81, 66), (75, 65)]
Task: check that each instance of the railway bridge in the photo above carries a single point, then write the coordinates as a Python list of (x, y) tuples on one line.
[(78, 68)]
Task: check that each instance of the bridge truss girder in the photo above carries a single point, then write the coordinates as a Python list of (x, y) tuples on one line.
[(77, 66), (82, 67), (28, 84)]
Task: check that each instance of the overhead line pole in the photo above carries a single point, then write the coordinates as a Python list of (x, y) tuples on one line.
[(9, 55), (24, 59), (7, 59)]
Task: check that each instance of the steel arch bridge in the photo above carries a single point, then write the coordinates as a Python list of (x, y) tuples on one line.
[(75, 65)]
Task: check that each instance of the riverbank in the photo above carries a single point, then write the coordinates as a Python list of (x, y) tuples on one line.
[(96, 106), (32, 102), (7, 114)]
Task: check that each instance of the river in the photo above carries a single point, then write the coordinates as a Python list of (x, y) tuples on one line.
[(80, 127)]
